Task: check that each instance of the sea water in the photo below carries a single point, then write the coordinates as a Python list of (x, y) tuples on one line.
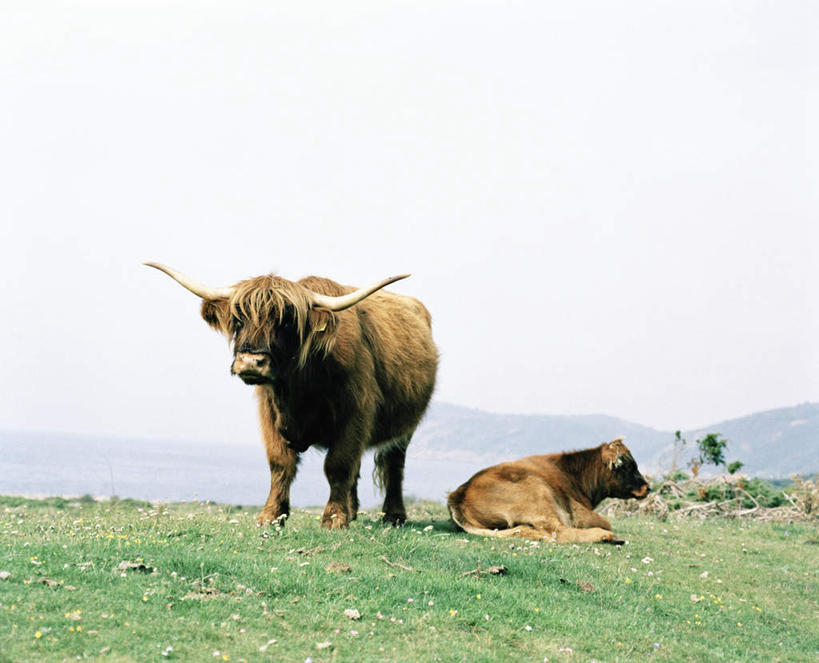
[(45, 464)]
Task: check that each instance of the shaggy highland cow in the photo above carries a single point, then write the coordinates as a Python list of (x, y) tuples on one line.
[(335, 367)]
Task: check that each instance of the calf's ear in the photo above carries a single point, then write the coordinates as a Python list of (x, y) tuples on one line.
[(613, 453)]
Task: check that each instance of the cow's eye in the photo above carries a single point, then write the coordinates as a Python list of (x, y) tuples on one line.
[(237, 325)]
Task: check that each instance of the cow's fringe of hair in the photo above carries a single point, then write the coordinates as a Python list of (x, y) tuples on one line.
[(263, 302)]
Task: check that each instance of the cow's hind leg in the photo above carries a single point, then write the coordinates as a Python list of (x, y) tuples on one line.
[(389, 474), (537, 532), (586, 535), (525, 532)]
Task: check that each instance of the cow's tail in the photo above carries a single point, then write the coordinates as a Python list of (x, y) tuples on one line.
[(389, 461)]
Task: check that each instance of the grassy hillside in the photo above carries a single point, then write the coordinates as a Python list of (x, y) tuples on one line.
[(133, 582)]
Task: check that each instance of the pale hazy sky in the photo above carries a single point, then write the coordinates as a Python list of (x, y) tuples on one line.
[(608, 207)]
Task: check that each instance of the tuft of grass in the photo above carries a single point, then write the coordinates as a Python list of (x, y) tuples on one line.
[(202, 582)]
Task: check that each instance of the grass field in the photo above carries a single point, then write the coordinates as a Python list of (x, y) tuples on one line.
[(200, 582)]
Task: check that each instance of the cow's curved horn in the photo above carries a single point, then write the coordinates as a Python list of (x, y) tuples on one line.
[(203, 291), (346, 301)]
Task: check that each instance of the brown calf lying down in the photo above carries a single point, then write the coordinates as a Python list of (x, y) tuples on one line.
[(551, 496)]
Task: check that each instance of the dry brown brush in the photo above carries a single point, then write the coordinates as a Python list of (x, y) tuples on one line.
[(724, 496)]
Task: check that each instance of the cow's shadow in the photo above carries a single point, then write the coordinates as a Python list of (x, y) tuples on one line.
[(441, 525)]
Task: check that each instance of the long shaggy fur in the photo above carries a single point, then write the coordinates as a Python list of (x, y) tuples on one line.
[(345, 381)]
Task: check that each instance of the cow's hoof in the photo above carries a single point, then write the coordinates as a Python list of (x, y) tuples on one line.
[(394, 519), (334, 517), (613, 539), (334, 523), (267, 518), (600, 535)]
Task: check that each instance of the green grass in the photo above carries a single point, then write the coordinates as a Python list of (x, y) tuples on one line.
[(679, 591)]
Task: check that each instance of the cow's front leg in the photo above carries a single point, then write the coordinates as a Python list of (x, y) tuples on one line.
[(341, 469), (582, 516), (282, 461)]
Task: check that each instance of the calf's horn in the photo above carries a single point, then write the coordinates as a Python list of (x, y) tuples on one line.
[(346, 301), (203, 291)]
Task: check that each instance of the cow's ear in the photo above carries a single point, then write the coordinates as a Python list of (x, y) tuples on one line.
[(613, 453), (320, 320), (216, 312)]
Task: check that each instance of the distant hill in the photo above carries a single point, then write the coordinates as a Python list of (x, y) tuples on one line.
[(460, 433), (774, 443), (451, 444)]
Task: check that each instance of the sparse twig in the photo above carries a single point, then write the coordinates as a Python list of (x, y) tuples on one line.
[(384, 559), (492, 570)]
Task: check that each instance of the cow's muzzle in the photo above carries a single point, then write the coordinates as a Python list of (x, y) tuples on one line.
[(641, 492), (252, 367)]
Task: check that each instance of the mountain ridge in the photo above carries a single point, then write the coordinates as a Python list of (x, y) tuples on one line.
[(772, 443), (459, 440)]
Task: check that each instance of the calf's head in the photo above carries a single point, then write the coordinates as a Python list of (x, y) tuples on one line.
[(273, 324), (621, 477)]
